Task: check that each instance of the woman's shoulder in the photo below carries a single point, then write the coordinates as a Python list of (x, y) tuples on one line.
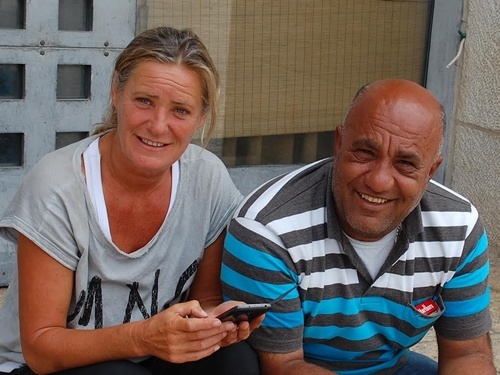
[(195, 154), (58, 168)]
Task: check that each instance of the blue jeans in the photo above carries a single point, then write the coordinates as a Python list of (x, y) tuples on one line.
[(418, 364)]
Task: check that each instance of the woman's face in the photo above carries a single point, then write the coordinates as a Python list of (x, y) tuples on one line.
[(158, 111)]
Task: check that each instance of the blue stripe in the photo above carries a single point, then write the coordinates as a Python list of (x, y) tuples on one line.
[(481, 246), (252, 286), (469, 279), (468, 307), (326, 353), (283, 320), (254, 257), (353, 306), (363, 332)]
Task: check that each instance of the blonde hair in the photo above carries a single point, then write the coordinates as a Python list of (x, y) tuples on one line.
[(170, 46)]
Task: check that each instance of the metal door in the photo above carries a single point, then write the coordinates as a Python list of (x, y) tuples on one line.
[(56, 59)]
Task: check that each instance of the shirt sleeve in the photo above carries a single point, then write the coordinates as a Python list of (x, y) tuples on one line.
[(256, 268), (467, 295), (44, 210)]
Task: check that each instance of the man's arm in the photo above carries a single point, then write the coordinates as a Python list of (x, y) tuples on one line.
[(288, 364), (466, 356)]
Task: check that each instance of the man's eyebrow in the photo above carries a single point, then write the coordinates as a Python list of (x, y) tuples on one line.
[(366, 143), (405, 154)]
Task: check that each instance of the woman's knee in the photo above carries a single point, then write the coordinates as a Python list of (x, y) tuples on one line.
[(120, 367), (238, 358)]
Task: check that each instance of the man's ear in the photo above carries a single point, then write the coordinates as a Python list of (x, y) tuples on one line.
[(435, 166), (338, 139)]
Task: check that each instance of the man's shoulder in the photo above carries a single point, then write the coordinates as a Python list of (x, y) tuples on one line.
[(441, 198), (291, 193)]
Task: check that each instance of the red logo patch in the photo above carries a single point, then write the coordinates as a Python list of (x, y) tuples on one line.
[(427, 307)]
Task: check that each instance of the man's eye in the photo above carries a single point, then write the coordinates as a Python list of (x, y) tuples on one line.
[(364, 154), (144, 101), (405, 162), (406, 166)]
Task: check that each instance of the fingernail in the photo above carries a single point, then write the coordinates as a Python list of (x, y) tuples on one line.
[(217, 323)]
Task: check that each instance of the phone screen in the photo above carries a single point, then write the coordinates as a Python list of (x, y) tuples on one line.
[(244, 312)]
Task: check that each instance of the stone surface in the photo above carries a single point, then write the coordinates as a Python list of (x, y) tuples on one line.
[(478, 98), (477, 177)]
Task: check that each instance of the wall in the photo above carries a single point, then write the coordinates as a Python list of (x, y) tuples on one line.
[(475, 147)]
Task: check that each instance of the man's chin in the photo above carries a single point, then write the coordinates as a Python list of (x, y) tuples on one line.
[(368, 231)]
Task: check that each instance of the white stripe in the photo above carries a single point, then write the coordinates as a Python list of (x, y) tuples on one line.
[(445, 219), (315, 249), (260, 230), (300, 221), (270, 193), (449, 190), (410, 282), (474, 216), (331, 276), (435, 249), (470, 217)]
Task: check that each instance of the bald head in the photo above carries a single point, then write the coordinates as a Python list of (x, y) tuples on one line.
[(393, 92)]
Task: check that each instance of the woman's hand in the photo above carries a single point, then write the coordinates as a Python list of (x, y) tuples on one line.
[(242, 329), (185, 332)]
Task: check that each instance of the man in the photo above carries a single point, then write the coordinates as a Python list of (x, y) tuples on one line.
[(376, 252)]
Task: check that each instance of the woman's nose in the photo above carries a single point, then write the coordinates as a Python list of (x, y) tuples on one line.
[(159, 122)]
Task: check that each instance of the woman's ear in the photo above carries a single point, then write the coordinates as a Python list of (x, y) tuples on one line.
[(114, 93), (202, 121)]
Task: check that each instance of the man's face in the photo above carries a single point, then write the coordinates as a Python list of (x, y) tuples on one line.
[(383, 162)]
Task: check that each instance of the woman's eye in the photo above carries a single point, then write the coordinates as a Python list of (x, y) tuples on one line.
[(181, 111)]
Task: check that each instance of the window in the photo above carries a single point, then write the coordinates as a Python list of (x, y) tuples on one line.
[(75, 15), (73, 82), (12, 14), (291, 68), (11, 81), (66, 138), (11, 149)]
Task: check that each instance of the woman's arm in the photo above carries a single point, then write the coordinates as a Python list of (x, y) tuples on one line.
[(206, 289), (45, 290)]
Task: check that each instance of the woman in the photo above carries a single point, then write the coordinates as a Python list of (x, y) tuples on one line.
[(120, 235)]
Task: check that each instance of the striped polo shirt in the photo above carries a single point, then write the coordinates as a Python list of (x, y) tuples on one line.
[(286, 234)]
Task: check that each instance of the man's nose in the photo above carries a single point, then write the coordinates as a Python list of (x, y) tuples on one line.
[(380, 178)]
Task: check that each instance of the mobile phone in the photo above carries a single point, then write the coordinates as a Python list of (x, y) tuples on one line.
[(241, 313)]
